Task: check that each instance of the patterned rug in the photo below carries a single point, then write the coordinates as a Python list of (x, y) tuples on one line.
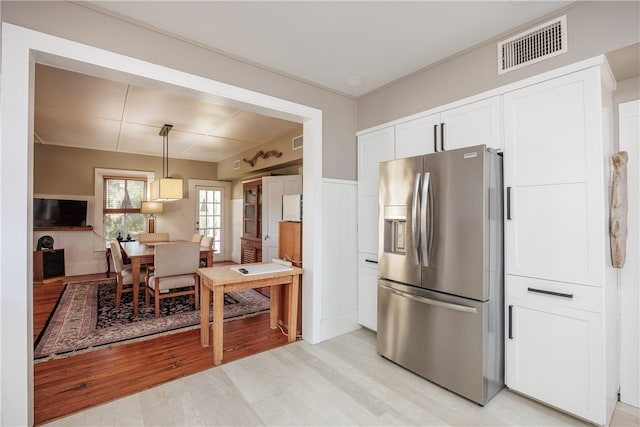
[(85, 318)]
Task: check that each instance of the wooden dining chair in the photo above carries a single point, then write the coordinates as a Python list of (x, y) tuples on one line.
[(173, 273), (197, 237), (124, 274), (206, 242)]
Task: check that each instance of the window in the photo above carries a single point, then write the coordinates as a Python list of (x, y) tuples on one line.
[(122, 197), (209, 215)]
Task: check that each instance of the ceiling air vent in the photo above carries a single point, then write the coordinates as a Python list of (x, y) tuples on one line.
[(236, 165), (296, 142), (534, 45)]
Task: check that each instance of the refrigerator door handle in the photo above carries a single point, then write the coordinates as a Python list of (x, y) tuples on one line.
[(435, 138), (426, 206), (441, 136), (414, 219), (448, 305)]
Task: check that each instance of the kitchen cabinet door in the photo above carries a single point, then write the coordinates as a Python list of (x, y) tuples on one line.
[(553, 131), (417, 137), (368, 291), (548, 234), (476, 123), (373, 148), (555, 355)]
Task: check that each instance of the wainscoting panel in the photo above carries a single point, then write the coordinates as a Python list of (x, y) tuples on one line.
[(339, 305), (79, 255)]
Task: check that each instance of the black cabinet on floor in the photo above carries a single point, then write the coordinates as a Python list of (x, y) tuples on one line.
[(48, 263)]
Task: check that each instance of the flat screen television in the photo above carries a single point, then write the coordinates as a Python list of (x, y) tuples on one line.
[(59, 213)]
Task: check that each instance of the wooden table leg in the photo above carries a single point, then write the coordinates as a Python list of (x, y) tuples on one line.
[(294, 288), (135, 268), (205, 296), (274, 305), (218, 320)]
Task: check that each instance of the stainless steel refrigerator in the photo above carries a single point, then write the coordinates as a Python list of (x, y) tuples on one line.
[(440, 268)]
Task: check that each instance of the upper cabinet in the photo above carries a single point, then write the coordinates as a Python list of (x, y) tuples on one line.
[(417, 136), (470, 124)]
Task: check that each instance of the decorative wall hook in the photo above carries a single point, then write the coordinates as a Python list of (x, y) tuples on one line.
[(261, 154)]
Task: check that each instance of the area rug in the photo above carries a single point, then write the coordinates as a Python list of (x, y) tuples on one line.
[(85, 318)]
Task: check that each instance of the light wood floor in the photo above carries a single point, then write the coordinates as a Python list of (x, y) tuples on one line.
[(339, 382)]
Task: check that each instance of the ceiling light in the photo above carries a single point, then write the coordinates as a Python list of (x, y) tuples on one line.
[(166, 189), (354, 81)]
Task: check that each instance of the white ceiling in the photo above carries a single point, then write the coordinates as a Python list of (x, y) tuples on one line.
[(77, 110), (322, 43), (327, 42)]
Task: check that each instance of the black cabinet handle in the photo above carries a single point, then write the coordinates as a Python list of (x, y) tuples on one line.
[(435, 138), (510, 322), (555, 294), (372, 261), (509, 203), (442, 136)]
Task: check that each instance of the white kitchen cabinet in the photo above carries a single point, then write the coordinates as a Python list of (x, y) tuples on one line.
[(471, 124), (561, 302), (555, 353), (373, 148), (368, 290), (417, 136)]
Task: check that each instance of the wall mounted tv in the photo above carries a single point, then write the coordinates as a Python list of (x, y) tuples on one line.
[(59, 213)]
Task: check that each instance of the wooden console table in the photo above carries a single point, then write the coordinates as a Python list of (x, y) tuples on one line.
[(223, 279)]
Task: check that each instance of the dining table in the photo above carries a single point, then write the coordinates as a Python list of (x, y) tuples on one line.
[(143, 253)]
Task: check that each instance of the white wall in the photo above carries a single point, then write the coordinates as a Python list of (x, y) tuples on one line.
[(629, 128)]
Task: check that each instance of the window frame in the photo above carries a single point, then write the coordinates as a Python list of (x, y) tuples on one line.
[(123, 211), (99, 174)]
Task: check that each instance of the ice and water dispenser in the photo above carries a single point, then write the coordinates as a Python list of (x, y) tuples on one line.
[(395, 229)]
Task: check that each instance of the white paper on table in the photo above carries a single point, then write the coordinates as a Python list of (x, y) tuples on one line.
[(254, 269)]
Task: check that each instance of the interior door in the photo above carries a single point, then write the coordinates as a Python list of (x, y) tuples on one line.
[(209, 216), (273, 188)]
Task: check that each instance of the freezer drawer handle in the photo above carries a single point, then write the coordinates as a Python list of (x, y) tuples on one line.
[(430, 301), (372, 261), (557, 294)]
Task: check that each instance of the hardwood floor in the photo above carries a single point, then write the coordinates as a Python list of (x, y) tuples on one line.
[(75, 383)]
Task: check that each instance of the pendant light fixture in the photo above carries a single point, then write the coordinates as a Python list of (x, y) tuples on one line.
[(166, 189)]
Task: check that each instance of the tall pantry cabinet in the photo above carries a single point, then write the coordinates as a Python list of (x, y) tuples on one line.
[(373, 148), (561, 291)]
